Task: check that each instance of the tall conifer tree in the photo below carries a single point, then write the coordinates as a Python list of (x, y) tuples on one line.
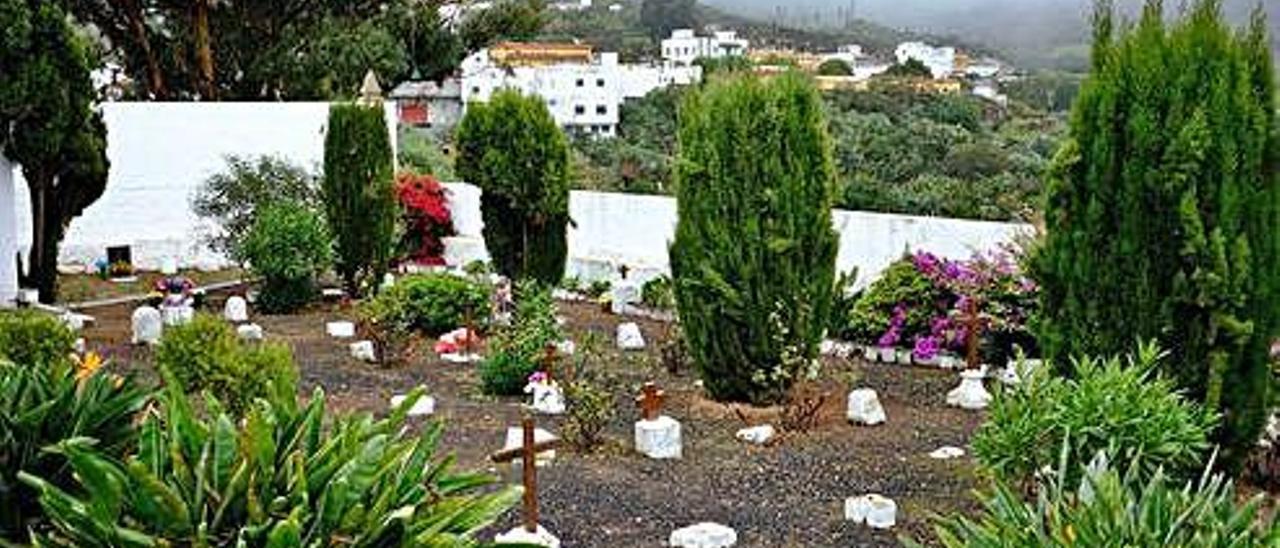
[(1162, 213)]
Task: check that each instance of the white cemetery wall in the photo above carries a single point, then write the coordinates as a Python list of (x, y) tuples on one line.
[(160, 153), (8, 233)]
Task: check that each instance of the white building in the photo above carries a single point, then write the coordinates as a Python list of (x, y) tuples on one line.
[(684, 46), (583, 93), (940, 60), (572, 5), (849, 53)]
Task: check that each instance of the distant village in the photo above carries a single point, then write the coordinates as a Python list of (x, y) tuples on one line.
[(585, 89)]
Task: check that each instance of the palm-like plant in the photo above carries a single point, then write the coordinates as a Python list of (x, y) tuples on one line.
[(279, 479)]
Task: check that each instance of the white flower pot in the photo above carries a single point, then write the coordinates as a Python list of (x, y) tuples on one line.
[(888, 354), (904, 357), (870, 353), (971, 394)]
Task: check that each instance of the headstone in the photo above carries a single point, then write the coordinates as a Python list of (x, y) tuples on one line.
[(236, 309), (340, 330), (527, 449), (864, 407), (703, 535), (657, 436), (147, 325), (877, 511), (515, 437), (424, 405), (946, 452), (623, 294), (548, 399), (629, 337), (758, 435), (250, 332), (177, 314), (363, 351), (971, 394)]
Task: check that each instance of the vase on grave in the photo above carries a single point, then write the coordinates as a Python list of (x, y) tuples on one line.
[(971, 394)]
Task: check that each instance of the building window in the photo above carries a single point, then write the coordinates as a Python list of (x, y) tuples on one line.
[(580, 82), (599, 82), (579, 110), (601, 109)]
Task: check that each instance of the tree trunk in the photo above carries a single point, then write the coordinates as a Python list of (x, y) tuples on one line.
[(204, 49), (155, 78), (46, 233)]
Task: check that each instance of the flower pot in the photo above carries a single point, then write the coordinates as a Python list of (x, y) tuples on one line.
[(870, 353), (904, 357), (971, 394), (887, 354)]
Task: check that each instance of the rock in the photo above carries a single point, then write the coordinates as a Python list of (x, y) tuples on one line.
[(971, 394), (548, 399), (946, 452), (622, 295), (703, 535), (876, 511), (79, 346), (332, 294), (236, 309), (340, 330), (425, 405), (659, 438), (177, 314), (758, 435), (629, 337), (363, 351), (864, 407), (515, 438), (74, 321), (147, 325), (519, 535), (250, 332)]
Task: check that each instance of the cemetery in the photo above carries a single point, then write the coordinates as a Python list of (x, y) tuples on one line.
[(370, 356)]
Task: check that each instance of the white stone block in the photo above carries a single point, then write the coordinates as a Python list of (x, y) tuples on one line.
[(946, 452), (363, 351), (340, 330), (887, 354), (876, 511), (332, 293), (659, 438), (515, 438), (250, 332), (425, 405), (629, 337), (147, 325), (870, 353), (864, 407), (79, 346), (75, 322), (758, 435), (548, 399), (519, 535), (971, 394), (28, 296), (622, 294), (703, 535), (460, 357), (236, 309), (177, 314)]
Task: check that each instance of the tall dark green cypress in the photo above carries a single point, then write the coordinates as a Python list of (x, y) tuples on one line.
[(1162, 210), (754, 253), (359, 193), (513, 150)]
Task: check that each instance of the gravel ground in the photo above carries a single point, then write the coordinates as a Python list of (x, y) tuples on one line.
[(790, 493)]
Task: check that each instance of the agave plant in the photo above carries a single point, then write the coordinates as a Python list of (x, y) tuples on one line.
[(279, 479), (44, 404)]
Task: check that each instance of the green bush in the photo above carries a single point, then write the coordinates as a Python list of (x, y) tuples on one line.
[(1114, 509), (234, 198), (433, 304), (359, 193), (516, 352), (754, 252), (658, 293), (34, 339), (421, 153), (46, 403), (285, 476), (288, 245), (1110, 405), (901, 283), (515, 152), (206, 354)]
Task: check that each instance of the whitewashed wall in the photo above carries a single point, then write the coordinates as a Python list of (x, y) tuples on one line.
[(8, 233), (614, 229), (160, 153)]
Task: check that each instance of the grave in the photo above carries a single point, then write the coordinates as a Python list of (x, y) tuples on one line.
[(147, 325), (527, 452), (236, 309), (548, 398), (758, 435), (363, 351), (657, 435), (971, 394), (864, 407), (877, 511), (629, 337)]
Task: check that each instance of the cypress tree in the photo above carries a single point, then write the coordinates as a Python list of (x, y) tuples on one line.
[(359, 193), (1162, 213), (513, 150), (753, 260)]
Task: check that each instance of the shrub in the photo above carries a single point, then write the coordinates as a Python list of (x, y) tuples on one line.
[(432, 304), (835, 67), (233, 198), (288, 246), (658, 293), (516, 352), (359, 194), (425, 218), (1114, 509), (1109, 405), (205, 354), (34, 339), (1162, 222), (843, 299), (422, 153), (901, 285), (515, 152), (285, 476), (43, 404), (754, 253)]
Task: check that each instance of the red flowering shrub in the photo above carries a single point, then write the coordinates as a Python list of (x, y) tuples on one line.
[(425, 208)]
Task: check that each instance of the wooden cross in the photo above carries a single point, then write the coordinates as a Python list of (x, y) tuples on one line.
[(528, 453), (650, 401), (973, 327), (470, 324)]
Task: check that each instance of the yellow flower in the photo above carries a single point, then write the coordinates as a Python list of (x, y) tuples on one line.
[(87, 365)]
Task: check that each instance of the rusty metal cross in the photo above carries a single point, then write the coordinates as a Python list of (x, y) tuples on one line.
[(974, 325), (549, 357), (528, 453), (650, 401)]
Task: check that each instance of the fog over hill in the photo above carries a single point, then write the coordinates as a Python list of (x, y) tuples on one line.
[(1041, 32)]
